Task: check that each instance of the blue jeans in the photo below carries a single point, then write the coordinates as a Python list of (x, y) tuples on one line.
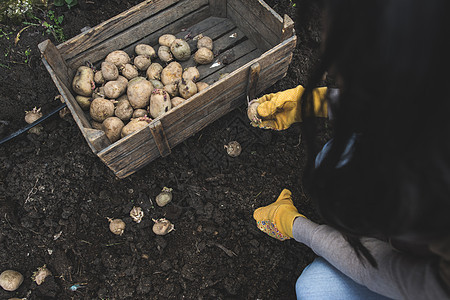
[(322, 281)]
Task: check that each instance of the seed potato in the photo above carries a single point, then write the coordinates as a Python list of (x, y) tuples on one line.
[(172, 73), (201, 86), (112, 127), (129, 71), (187, 89), (118, 57), (205, 42), (164, 54), (191, 73), (176, 101), (109, 71), (159, 103), (83, 82), (98, 77), (101, 109), (144, 49), (139, 91), (114, 89), (10, 280), (142, 62), (132, 126), (123, 110), (180, 49), (139, 113), (171, 89), (203, 56), (154, 71), (166, 40), (156, 83), (83, 102)]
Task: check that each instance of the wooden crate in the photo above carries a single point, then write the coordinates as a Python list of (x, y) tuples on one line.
[(254, 45)]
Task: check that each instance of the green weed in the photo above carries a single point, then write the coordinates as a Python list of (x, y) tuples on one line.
[(69, 3)]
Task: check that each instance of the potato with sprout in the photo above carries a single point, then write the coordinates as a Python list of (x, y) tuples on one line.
[(116, 226), (83, 82), (139, 91), (180, 49), (144, 49), (118, 57)]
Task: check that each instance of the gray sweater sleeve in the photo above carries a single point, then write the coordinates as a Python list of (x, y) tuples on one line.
[(397, 276)]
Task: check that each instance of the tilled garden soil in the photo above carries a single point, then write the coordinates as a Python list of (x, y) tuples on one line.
[(56, 196)]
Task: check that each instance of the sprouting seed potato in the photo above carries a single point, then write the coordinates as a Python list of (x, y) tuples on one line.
[(156, 83), (154, 71), (142, 62), (109, 71), (205, 42), (114, 89), (187, 89), (123, 110), (172, 89), (180, 49), (203, 56), (101, 109), (139, 113), (118, 57), (176, 101), (129, 71), (134, 125), (159, 103), (191, 73), (165, 54), (84, 102), (112, 126), (172, 73), (201, 86), (144, 49), (139, 91), (10, 280), (166, 39), (83, 82)]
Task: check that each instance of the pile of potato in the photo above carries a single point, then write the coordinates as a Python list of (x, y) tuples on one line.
[(126, 93)]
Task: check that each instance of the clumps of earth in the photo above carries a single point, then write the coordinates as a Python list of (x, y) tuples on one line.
[(126, 92)]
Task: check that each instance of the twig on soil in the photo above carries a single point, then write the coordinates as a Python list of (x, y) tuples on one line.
[(32, 191), (227, 251)]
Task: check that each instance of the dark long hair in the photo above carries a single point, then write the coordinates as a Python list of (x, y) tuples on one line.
[(392, 60)]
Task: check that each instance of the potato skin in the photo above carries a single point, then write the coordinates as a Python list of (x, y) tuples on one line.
[(118, 57), (101, 109), (191, 73), (112, 127), (123, 110), (139, 91), (203, 56), (201, 86), (109, 71), (142, 62), (166, 39), (180, 49), (84, 102), (154, 71), (83, 81), (129, 71), (140, 112), (159, 103), (164, 54), (205, 42), (114, 89), (187, 89), (144, 49), (132, 126), (172, 73), (176, 101)]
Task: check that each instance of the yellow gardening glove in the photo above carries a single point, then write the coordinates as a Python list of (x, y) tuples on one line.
[(280, 110), (278, 218)]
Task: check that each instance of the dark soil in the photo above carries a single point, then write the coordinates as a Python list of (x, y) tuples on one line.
[(56, 195)]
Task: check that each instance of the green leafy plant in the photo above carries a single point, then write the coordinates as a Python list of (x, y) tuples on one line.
[(53, 27), (69, 3)]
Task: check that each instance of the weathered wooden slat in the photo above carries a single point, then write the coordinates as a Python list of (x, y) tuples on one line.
[(252, 26), (288, 28), (218, 8), (138, 158), (112, 27), (57, 63), (97, 138), (214, 77), (253, 76), (268, 19), (160, 138), (155, 25)]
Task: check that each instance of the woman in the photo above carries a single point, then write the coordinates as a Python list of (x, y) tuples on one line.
[(382, 185)]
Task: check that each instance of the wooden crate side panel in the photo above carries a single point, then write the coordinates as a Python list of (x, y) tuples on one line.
[(218, 8), (267, 21), (112, 27), (141, 150), (156, 25), (57, 65), (131, 151), (251, 25)]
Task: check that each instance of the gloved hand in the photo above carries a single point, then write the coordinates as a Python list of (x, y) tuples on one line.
[(280, 110), (278, 218)]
